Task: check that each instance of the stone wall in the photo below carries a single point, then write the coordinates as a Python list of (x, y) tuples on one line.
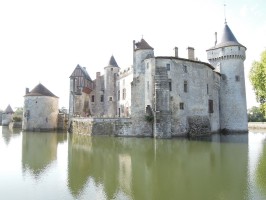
[(257, 125), (1, 113), (40, 113), (6, 119), (101, 126)]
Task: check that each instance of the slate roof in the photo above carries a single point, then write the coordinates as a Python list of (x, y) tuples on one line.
[(113, 62), (228, 39), (8, 110), (142, 45), (40, 90), (84, 71)]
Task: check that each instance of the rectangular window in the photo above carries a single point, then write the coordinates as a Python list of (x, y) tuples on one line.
[(207, 89), (185, 86), (118, 95), (110, 98), (237, 79), (181, 106), (210, 106), (168, 67), (170, 86), (185, 68), (124, 93), (92, 98), (102, 97)]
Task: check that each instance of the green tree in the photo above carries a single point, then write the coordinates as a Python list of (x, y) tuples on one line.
[(257, 76), (255, 115), (17, 117)]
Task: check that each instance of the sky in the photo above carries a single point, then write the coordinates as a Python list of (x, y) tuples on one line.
[(42, 41)]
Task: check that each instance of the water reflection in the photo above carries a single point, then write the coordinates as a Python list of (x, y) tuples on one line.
[(261, 171), (39, 150), (139, 168), (7, 133)]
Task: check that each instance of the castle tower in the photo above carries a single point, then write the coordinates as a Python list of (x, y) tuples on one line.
[(228, 58), (40, 112), (141, 51), (7, 116), (110, 77)]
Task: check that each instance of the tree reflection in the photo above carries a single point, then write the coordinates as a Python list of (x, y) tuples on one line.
[(140, 168), (39, 150), (261, 170), (7, 133)]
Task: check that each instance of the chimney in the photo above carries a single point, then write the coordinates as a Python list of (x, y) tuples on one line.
[(134, 45), (215, 38), (98, 74), (176, 52), (190, 51), (27, 90)]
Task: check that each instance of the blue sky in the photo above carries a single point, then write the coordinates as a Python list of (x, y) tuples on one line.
[(43, 41)]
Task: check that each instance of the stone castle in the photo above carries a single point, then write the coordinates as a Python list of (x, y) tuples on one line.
[(164, 96)]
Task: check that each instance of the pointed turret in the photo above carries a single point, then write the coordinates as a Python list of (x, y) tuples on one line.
[(142, 45), (228, 59), (228, 39), (112, 62), (9, 110), (40, 90)]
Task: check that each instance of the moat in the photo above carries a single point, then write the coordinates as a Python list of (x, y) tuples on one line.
[(65, 166)]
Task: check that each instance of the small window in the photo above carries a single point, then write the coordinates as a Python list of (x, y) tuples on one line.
[(181, 106), (111, 69), (185, 87), (168, 67), (170, 86), (207, 89), (210, 106), (102, 97), (124, 93), (237, 78), (92, 98), (185, 68), (110, 98), (118, 95)]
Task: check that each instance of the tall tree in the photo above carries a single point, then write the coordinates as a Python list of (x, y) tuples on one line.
[(257, 76)]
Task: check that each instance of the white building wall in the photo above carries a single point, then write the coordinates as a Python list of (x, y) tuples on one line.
[(233, 110), (124, 81), (40, 113), (196, 99)]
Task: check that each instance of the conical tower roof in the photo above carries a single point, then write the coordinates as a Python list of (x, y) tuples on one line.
[(142, 45), (112, 62), (40, 90), (228, 39), (9, 110)]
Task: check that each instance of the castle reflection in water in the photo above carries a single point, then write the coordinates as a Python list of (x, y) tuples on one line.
[(145, 168)]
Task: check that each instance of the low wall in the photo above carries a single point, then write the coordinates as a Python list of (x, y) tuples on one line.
[(257, 125), (101, 126)]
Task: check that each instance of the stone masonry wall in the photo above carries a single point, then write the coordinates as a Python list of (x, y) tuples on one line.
[(101, 126)]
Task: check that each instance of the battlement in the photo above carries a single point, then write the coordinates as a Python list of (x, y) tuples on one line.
[(225, 53), (125, 72)]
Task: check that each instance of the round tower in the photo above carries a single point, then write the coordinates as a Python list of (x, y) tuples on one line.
[(7, 116), (228, 58), (110, 77), (141, 51), (40, 112)]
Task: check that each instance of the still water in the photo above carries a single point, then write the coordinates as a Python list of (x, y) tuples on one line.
[(63, 166)]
